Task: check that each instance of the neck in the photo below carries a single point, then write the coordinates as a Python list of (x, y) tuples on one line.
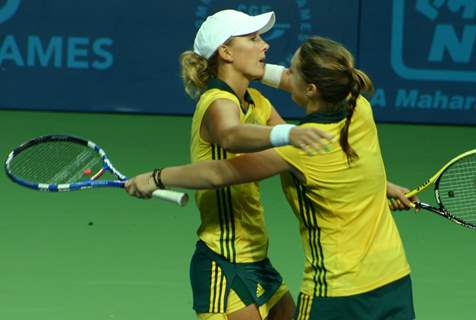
[(236, 81), (312, 106), (320, 106)]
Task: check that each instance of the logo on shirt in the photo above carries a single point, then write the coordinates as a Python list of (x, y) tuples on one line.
[(259, 291)]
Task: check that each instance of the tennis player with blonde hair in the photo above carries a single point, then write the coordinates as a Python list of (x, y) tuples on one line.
[(355, 265), (231, 276)]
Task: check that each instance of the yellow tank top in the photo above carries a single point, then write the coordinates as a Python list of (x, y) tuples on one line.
[(232, 220), (350, 240)]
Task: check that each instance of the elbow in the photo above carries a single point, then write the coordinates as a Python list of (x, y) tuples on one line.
[(229, 147), (229, 143), (214, 180)]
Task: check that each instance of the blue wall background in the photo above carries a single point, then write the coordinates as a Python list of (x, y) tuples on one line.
[(122, 56)]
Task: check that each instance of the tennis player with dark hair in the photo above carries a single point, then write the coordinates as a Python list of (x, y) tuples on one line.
[(231, 276), (355, 264)]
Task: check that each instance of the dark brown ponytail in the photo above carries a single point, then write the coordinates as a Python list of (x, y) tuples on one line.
[(330, 66)]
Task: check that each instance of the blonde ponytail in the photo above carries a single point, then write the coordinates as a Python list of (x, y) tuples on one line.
[(195, 72)]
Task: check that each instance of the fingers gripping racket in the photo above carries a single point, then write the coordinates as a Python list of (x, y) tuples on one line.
[(455, 190), (66, 163)]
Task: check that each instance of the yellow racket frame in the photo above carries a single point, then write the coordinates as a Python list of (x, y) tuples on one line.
[(435, 177)]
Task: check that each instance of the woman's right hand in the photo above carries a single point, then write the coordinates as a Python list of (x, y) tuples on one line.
[(309, 139), (397, 198)]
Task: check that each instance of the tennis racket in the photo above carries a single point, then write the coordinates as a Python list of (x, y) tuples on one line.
[(455, 190), (66, 163)]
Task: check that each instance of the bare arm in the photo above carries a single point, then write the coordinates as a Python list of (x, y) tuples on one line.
[(215, 174), (221, 125), (275, 118), (212, 174)]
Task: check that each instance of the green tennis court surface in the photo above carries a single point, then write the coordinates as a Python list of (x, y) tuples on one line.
[(101, 255)]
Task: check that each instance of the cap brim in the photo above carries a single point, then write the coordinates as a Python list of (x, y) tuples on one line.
[(260, 23)]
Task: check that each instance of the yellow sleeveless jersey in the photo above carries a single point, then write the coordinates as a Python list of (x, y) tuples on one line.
[(232, 221), (350, 240)]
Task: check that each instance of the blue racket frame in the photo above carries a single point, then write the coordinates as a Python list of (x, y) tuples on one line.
[(86, 184)]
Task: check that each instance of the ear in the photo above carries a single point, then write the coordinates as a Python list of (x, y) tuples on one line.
[(312, 91), (224, 53)]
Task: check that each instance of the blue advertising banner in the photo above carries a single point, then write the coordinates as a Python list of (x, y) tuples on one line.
[(422, 57), (92, 55), (122, 56)]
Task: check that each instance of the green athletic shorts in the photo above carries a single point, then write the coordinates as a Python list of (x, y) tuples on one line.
[(212, 277), (393, 301)]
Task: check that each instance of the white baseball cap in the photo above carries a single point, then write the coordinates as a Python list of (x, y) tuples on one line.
[(223, 25)]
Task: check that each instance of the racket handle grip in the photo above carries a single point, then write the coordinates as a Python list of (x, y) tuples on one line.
[(179, 198)]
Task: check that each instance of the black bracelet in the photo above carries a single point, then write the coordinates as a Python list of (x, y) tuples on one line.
[(157, 179)]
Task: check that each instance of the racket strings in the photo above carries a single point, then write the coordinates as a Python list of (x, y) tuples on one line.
[(457, 189), (55, 162)]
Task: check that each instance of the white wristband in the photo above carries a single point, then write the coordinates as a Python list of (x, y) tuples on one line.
[(272, 75), (279, 135)]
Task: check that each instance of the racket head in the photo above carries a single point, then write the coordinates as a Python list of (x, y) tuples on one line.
[(60, 163), (455, 190)]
